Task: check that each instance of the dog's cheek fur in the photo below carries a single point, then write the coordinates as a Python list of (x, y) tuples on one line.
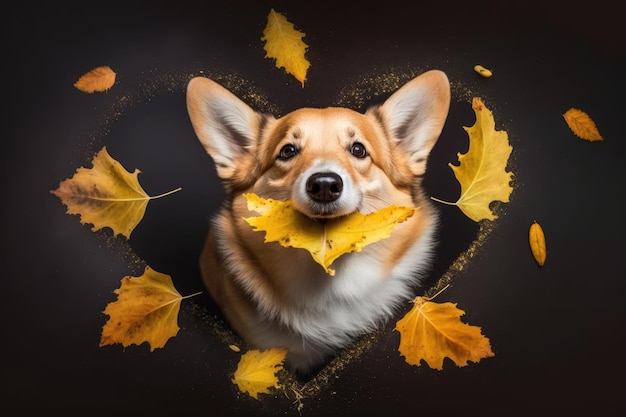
[(248, 172), (400, 171), (387, 153), (253, 159)]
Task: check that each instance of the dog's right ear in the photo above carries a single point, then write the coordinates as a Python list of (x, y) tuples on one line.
[(226, 126), (415, 115)]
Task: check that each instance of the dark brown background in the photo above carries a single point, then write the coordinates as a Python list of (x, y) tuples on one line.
[(557, 331)]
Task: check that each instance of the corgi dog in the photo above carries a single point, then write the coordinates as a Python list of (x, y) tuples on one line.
[(330, 162)]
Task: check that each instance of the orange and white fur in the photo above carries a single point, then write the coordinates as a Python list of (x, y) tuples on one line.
[(330, 162)]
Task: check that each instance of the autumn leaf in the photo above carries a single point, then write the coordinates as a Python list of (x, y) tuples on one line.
[(482, 71), (98, 79), (537, 241), (328, 240), (106, 195), (432, 332), (256, 371), (146, 310), (482, 170), (582, 125), (284, 43)]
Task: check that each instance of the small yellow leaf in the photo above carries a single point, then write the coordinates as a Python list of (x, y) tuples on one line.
[(256, 371), (284, 43), (326, 241), (146, 310), (432, 332), (582, 125), (98, 79), (106, 195), (537, 242), (482, 71)]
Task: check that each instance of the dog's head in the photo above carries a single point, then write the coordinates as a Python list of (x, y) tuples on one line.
[(330, 162)]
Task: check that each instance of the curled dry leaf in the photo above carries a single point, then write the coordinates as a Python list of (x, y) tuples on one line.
[(97, 80), (106, 195), (284, 43), (146, 310), (326, 241), (482, 71), (582, 125), (256, 371), (432, 332), (537, 241), (482, 170)]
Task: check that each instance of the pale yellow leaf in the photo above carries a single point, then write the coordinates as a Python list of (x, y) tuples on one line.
[(256, 371), (284, 43), (482, 170)]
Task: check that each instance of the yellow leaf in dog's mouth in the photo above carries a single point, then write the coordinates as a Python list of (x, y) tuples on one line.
[(326, 241)]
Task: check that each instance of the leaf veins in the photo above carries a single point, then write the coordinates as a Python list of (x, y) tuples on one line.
[(582, 125), (106, 195), (256, 371), (432, 332), (482, 170), (284, 43), (146, 310), (327, 241), (97, 80)]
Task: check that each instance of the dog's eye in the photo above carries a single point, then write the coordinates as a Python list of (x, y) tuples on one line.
[(287, 151), (358, 149)]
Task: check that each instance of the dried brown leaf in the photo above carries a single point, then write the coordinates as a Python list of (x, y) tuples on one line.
[(582, 125), (97, 80)]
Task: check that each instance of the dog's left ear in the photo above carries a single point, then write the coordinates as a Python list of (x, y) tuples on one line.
[(415, 115)]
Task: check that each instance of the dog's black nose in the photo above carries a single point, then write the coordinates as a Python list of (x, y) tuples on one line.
[(324, 187)]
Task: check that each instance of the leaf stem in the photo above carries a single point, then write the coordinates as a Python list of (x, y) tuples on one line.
[(192, 295), (164, 194), (443, 202), (438, 292)]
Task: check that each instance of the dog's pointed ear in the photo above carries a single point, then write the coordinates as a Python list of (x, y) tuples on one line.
[(415, 115), (227, 127)]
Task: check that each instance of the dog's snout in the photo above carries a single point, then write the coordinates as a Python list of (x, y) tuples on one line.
[(324, 187)]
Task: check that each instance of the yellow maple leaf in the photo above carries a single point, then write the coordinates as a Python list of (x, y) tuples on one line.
[(327, 240), (98, 79), (582, 125), (284, 43), (432, 332), (482, 170), (106, 195), (256, 371), (146, 310)]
